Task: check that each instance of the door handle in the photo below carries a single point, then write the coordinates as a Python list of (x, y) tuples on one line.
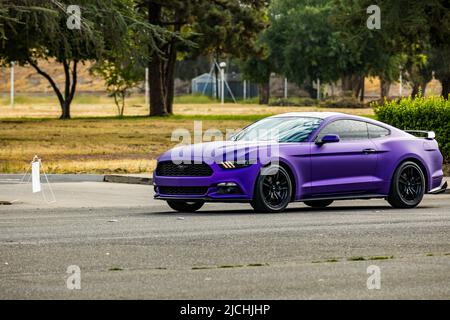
[(368, 151)]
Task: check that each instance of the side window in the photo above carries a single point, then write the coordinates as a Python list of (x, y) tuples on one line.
[(346, 129), (377, 131)]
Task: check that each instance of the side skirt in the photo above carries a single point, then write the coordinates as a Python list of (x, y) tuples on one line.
[(345, 197), (337, 197), (439, 190)]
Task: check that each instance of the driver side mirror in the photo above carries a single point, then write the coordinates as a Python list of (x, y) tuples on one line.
[(328, 138)]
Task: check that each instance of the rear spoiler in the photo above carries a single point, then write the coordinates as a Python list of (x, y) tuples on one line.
[(430, 135)]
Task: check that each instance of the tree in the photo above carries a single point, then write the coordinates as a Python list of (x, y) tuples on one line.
[(305, 44), (438, 59), (375, 52), (123, 68), (418, 72), (33, 30), (207, 26), (302, 42), (120, 77), (258, 70), (409, 28)]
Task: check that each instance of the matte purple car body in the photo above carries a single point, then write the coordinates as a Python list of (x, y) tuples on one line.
[(347, 169)]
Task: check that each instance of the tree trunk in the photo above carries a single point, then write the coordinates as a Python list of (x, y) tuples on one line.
[(122, 107), (264, 92), (415, 90), (116, 102), (157, 101), (351, 84), (156, 68), (357, 86), (65, 111), (346, 83), (418, 88), (445, 88), (423, 89), (169, 71), (362, 88), (170, 87), (70, 86), (385, 86)]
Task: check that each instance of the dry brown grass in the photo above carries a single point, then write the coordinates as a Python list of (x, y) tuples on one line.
[(248, 109), (92, 145), (90, 106)]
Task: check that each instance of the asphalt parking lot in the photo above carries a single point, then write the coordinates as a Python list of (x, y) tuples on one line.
[(128, 245)]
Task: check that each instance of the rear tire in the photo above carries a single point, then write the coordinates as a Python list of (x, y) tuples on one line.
[(184, 206), (407, 186), (318, 203), (273, 190)]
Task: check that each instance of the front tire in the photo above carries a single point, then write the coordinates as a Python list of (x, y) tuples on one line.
[(273, 190), (407, 186), (318, 203), (184, 206)]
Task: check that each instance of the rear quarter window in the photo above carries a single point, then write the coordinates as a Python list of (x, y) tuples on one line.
[(377, 131), (346, 129)]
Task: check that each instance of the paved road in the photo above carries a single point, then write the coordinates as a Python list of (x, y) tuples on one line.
[(129, 246)]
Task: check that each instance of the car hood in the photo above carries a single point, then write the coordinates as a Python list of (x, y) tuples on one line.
[(218, 151)]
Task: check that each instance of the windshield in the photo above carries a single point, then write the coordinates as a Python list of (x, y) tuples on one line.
[(280, 129)]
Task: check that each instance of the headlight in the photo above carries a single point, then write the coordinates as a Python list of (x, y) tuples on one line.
[(234, 164)]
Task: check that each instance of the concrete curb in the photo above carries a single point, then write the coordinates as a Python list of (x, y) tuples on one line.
[(131, 179), (128, 179), (16, 178)]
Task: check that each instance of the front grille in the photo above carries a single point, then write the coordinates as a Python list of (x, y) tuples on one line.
[(183, 190), (168, 168)]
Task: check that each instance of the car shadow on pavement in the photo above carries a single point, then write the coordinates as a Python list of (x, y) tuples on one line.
[(334, 209)]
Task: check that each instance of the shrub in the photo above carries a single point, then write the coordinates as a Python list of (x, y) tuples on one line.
[(307, 102), (432, 113), (282, 102), (293, 102)]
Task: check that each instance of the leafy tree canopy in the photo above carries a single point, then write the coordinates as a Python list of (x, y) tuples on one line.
[(32, 29), (414, 34), (218, 27)]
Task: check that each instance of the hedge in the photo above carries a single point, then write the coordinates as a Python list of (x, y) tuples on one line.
[(431, 113)]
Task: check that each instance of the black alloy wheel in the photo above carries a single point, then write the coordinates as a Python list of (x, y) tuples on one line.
[(273, 190), (408, 186)]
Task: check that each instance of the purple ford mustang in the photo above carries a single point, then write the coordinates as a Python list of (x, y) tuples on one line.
[(314, 158)]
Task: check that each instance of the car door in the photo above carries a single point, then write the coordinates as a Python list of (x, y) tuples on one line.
[(347, 166)]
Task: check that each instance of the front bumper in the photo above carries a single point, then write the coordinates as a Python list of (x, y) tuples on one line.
[(243, 178), (204, 199)]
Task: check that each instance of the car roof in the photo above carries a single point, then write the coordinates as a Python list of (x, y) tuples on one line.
[(320, 115), (339, 115)]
